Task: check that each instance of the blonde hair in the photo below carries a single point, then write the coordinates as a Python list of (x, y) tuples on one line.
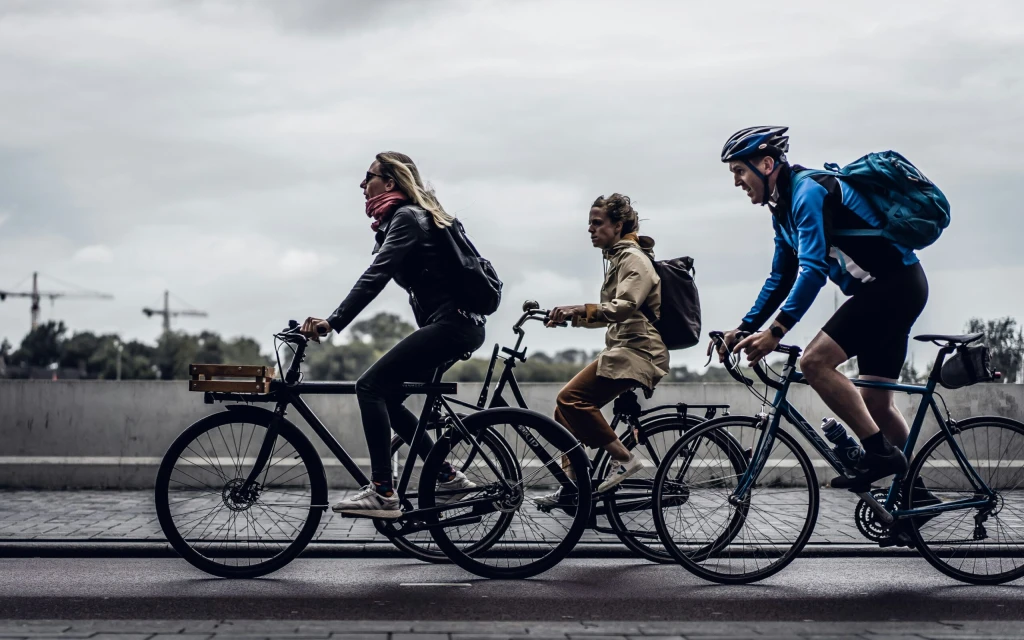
[(400, 168)]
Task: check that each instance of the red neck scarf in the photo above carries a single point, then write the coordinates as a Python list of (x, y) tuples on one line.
[(382, 205)]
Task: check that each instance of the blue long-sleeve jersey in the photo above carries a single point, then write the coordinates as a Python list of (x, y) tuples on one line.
[(811, 206)]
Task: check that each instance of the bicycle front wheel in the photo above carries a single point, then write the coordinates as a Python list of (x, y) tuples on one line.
[(717, 536), (420, 544), (981, 544), (523, 538), (224, 525)]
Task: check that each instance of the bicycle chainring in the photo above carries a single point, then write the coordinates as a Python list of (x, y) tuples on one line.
[(867, 521)]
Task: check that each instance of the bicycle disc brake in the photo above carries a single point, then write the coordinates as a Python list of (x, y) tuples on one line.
[(867, 520)]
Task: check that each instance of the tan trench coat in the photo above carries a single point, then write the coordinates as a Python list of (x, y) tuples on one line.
[(633, 347)]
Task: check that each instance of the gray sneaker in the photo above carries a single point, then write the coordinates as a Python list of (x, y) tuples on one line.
[(370, 504), (459, 481), (619, 471), (550, 499)]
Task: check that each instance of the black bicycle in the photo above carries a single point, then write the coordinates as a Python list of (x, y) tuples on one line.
[(240, 493), (648, 433), (959, 503)]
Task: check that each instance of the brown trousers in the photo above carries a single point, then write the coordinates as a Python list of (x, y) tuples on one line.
[(580, 401)]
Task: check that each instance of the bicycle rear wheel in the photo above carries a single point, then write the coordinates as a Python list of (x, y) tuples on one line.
[(217, 523), (722, 539), (982, 544), (524, 540), (628, 508)]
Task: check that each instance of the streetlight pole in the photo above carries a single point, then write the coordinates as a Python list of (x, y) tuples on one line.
[(120, 348)]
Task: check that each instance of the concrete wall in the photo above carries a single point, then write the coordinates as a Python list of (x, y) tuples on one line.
[(105, 434)]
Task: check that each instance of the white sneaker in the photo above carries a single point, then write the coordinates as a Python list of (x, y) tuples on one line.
[(460, 481), (619, 471), (549, 500), (370, 504)]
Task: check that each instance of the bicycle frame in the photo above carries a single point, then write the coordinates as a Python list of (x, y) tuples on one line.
[(889, 511), (288, 393), (627, 410)]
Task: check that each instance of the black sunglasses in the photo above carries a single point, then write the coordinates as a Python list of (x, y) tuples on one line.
[(370, 176)]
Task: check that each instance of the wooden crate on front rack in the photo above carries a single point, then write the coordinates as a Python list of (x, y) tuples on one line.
[(230, 378)]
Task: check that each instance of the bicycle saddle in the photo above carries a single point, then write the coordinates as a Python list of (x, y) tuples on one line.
[(966, 338)]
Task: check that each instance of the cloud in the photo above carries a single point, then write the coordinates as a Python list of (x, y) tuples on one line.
[(296, 262), (94, 253), (215, 148)]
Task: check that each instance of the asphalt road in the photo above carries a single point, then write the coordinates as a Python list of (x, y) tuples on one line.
[(863, 589)]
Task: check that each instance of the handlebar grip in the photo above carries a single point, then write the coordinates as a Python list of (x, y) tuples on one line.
[(718, 337)]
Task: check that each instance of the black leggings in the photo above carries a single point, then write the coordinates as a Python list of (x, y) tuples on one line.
[(414, 359)]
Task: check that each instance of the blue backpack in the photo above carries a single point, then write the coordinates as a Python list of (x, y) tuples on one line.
[(914, 209)]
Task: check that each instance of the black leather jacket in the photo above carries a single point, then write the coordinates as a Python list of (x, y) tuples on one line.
[(411, 250)]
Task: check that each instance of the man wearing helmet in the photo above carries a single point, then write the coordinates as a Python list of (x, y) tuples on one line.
[(885, 280)]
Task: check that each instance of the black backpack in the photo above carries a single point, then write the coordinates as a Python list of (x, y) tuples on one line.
[(679, 324), (476, 281)]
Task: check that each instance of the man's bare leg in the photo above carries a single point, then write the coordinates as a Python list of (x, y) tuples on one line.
[(818, 364), (882, 406)]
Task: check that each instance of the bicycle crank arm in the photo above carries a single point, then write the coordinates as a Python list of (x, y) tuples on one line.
[(875, 506), (444, 524)]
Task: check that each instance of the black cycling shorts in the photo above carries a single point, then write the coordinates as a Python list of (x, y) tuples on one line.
[(874, 325)]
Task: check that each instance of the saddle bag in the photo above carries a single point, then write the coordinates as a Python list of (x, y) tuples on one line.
[(969, 365)]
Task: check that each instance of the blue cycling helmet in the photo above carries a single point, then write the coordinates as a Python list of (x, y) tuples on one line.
[(756, 142)]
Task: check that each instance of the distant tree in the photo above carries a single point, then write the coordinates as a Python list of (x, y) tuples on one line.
[(910, 374), (370, 339), (1005, 342), (42, 346), (383, 330)]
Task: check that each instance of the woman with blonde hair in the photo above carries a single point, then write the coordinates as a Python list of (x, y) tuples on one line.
[(634, 353), (410, 227)]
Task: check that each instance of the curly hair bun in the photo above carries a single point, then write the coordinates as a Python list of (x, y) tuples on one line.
[(619, 208)]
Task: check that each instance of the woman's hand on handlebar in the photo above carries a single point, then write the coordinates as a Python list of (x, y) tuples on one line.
[(757, 345), (315, 328), (560, 315)]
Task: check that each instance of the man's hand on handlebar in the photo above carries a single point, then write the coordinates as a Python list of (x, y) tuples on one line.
[(757, 345), (315, 328), (560, 315), (729, 339)]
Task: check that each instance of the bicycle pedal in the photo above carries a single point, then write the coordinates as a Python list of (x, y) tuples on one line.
[(898, 540)]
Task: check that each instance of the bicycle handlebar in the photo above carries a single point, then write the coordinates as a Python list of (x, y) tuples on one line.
[(718, 337)]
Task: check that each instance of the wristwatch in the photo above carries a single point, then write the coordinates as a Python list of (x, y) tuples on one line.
[(777, 331)]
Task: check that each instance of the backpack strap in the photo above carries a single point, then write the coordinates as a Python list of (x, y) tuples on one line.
[(643, 307)]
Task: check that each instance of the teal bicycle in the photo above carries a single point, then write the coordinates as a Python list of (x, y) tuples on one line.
[(960, 503)]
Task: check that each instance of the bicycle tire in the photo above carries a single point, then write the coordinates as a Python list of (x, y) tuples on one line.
[(629, 515), (737, 533), (539, 445), (276, 538), (944, 478), (421, 545)]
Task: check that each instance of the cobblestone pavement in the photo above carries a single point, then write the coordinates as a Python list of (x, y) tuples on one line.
[(129, 516), (499, 630)]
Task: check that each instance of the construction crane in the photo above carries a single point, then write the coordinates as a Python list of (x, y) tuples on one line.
[(167, 313), (36, 296)]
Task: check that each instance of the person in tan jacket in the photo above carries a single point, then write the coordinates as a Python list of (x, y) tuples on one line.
[(634, 353)]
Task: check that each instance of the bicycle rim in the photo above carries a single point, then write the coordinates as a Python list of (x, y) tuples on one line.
[(525, 538), (979, 545), (629, 508), (208, 516), (734, 541)]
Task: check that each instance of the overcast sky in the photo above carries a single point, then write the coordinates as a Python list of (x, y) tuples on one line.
[(215, 148)]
